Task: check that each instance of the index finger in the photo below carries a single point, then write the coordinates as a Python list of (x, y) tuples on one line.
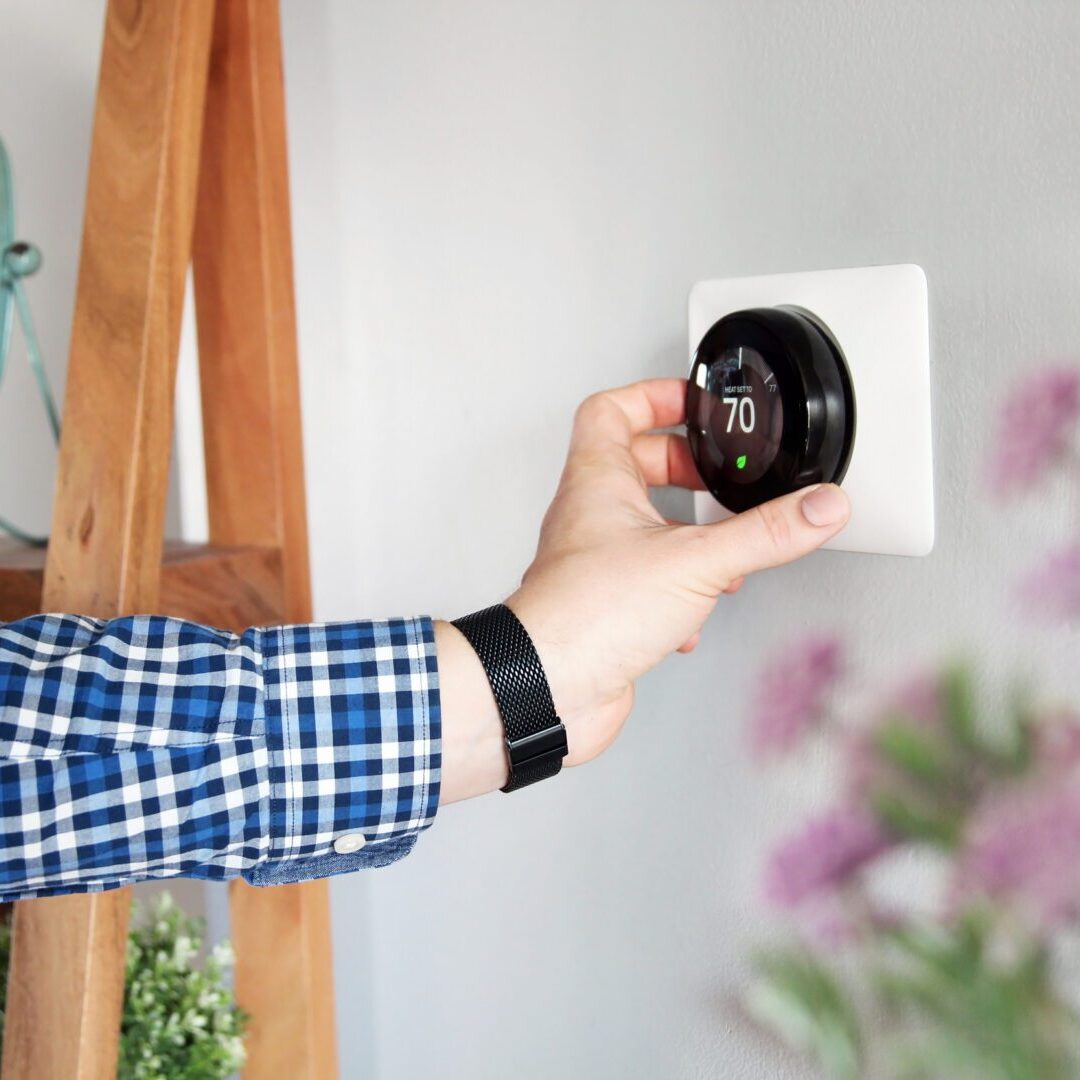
[(610, 419)]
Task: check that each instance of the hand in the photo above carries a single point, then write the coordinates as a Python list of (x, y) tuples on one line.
[(615, 588)]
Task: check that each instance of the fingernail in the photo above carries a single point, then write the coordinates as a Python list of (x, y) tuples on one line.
[(825, 505)]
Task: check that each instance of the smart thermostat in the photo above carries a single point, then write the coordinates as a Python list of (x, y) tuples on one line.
[(799, 379)]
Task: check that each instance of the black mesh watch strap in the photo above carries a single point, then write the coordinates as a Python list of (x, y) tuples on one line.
[(535, 736)]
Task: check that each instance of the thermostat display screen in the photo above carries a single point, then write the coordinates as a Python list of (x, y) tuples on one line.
[(742, 411)]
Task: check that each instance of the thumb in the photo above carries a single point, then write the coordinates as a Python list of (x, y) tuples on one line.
[(774, 533)]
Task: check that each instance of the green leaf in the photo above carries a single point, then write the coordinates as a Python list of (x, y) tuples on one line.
[(961, 714), (975, 1017), (1017, 756), (914, 751), (179, 1017), (910, 822), (800, 1001)]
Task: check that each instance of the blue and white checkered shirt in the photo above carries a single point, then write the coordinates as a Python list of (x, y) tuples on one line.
[(148, 747)]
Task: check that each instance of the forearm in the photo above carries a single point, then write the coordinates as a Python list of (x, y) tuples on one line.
[(152, 747)]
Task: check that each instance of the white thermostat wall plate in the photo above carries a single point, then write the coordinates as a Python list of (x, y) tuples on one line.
[(878, 316)]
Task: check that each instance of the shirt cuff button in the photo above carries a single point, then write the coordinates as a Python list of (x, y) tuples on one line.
[(350, 842)]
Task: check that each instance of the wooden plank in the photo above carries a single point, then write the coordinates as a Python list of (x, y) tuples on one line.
[(244, 299), (220, 586), (230, 587), (105, 553), (281, 936), (22, 577), (254, 457), (66, 986)]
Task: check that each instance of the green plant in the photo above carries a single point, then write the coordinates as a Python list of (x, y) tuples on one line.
[(969, 974), (179, 1020)]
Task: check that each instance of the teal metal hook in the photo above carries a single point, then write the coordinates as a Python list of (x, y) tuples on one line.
[(18, 260)]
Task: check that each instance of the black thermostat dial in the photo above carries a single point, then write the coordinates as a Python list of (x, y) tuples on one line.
[(769, 406)]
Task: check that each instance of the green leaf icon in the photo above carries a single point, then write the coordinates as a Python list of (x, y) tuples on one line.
[(740, 462)]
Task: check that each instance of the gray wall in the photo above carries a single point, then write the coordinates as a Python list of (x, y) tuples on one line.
[(47, 77), (499, 207)]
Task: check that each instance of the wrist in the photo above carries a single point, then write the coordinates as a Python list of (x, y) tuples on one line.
[(474, 759), (592, 711), (553, 633)]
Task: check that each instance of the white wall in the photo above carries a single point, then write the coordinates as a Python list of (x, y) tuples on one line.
[(47, 77), (500, 206)]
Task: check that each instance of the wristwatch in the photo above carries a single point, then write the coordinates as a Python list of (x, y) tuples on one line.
[(535, 736)]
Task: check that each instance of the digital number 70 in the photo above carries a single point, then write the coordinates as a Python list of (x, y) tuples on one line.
[(745, 409)]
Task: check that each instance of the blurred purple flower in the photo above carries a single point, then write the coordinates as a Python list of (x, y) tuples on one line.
[(1025, 847), (823, 856), (825, 920), (1057, 742), (1053, 590), (1034, 429), (919, 702), (791, 695), (835, 919)]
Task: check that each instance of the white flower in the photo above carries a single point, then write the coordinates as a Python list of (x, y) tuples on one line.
[(223, 954), (183, 951)]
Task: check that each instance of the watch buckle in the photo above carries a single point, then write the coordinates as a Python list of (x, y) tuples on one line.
[(540, 746)]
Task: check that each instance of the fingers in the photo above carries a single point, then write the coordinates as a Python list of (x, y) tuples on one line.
[(774, 533), (666, 460), (691, 643), (607, 422)]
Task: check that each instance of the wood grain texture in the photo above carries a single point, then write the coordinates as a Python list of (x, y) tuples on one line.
[(244, 302), (22, 577), (228, 587), (66, 986), (108, 519), (220, 586), (104, 558), (244, 299), (284, 978)]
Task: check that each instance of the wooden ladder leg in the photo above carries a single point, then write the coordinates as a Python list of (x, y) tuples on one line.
[(255, 480), (104, 558)]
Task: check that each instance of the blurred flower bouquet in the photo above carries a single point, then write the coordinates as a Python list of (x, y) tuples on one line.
[(179, 1019), (980, 800)]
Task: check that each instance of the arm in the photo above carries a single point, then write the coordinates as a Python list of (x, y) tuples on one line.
[(614, 589), (151, 747)]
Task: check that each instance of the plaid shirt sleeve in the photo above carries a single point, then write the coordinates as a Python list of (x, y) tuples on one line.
[(149, 747)]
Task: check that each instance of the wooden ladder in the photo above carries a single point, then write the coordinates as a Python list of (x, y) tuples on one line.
[(187, 166)]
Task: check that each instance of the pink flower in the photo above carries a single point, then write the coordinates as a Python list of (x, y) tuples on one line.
[(833, 920), (792, 694), (1034, 429), (821, 858), (1057, 742), (1025, 847), (1053, 590), (917, 702)]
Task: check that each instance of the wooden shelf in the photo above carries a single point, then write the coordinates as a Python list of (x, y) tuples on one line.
[(229, 587)]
